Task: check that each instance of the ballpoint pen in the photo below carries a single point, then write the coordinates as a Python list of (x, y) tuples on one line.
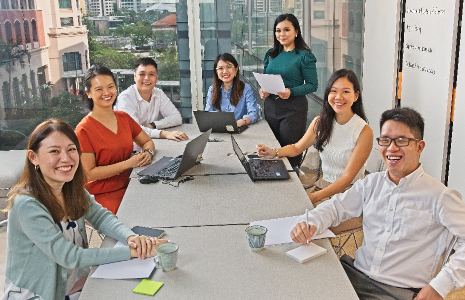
[(306, 219)]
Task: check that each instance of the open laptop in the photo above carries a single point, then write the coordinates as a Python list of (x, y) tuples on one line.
[(261, 169), (218, 121), (173, 167)]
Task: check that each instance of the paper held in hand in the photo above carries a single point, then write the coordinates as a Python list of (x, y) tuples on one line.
[(270, 83)]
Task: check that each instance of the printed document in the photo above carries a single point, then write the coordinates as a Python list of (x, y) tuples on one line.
[(270, 83)]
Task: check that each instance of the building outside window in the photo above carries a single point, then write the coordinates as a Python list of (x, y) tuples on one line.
[(63, 4), (71, 61), (67, 22)]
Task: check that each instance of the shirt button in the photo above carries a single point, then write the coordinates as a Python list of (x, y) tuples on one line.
[(390, 209), (380, 249), (388, 230)]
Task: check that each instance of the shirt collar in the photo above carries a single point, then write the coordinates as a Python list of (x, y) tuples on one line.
[(410, 178), (138, 96)]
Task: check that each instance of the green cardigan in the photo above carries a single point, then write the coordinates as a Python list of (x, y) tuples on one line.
[(38, 255)]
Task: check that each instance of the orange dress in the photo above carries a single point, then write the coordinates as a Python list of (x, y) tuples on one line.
[(109, 148)]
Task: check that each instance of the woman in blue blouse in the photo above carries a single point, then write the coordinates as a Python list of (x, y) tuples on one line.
[(286, 113), (229, 93)]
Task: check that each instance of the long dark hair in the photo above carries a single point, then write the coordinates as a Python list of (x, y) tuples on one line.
[(327, 114), (237, 85), (32, 182), (299, 41), (93, 71)]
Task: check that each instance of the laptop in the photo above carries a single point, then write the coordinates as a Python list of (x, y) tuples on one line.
[(261, 169), (173, 167), (218, 121)]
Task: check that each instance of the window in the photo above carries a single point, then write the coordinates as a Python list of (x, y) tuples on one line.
[(33, 85), (318, 0), (1, 36), (67, 22), (8, 33), (72, 61), (27, 34), (19, 39), (16, 93), (13, 5), (4, 4), (64, 4), (6, 93), (318, 14), (31, 4), (34, 31), (25, 85)]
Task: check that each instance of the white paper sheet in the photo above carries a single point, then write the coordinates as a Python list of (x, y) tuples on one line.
[(270, 83), (279, 230), (133, 268)]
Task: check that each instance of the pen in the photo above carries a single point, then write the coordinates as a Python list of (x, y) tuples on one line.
[(306, 219)]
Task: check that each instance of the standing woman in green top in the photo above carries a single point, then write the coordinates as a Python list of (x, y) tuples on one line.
[(286, 113)]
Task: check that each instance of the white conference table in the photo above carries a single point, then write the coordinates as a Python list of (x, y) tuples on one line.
[(207, 217)]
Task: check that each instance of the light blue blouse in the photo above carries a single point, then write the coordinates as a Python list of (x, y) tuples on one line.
[(247, 106)]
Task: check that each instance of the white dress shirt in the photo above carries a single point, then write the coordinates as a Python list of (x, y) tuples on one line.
[(405, 228), (160, 110)]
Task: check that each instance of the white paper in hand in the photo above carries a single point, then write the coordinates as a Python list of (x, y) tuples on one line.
[(306, 252), (270, 83)]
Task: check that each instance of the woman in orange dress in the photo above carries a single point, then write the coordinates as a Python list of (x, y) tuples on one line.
[(106, 137)]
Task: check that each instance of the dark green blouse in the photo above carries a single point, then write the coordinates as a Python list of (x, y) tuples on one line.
[(298, 70)]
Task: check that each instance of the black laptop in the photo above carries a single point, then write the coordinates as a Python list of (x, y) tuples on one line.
[(218, 121), (261, 169), (173, 167)]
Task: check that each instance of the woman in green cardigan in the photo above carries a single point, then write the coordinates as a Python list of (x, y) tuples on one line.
[(47, 255), (290, 57)]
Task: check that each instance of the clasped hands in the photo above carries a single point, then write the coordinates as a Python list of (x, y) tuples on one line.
[(142, 246), (140, 159), (283, 95)]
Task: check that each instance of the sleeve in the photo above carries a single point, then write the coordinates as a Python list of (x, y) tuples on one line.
[(169, 112), (251, 102), (452, 275), (308, 69), (339, 208), (266, 60), (84, 140), (40, 228), (208, 103), (106, 222)]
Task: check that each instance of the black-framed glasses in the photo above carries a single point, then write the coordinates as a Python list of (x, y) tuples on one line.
[(400, 141), (221, 68)]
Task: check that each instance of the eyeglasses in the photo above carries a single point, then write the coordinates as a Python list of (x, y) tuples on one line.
[(400, 141), (221, 68)]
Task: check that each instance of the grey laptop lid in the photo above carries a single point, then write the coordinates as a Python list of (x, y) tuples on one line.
[(192, 154), (218, 121)]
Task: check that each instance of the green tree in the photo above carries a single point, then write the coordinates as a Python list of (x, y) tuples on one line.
[(105, 55), (168, 65), (140, 32)]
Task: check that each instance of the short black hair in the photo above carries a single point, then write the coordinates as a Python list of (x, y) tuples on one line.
[(145, 61), (92, 72), (408, 116)]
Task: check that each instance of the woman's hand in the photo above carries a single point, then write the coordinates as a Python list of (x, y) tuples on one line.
[(285, 95), (302, 234), (143, 246), (263, 94), (140, 159), (264, 151)]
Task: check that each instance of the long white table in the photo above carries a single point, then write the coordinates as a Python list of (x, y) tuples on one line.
[(207, 217)]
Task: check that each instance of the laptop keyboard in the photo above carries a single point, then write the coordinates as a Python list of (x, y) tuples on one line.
[(170, 170), (261, 167)]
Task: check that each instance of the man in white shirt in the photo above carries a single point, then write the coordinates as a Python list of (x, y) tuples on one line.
[(407, 217), (148, 105)]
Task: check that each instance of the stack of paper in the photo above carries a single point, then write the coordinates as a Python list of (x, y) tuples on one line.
[(306, 252)]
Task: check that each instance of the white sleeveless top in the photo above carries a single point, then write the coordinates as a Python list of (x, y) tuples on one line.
[(336, 154)]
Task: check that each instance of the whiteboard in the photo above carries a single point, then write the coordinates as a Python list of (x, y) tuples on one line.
[(457, 160), (427, 73)]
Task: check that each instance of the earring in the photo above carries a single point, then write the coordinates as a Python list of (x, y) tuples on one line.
[(36, 167), (296, 35)]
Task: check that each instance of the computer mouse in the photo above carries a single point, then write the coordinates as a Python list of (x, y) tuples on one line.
[(147, 179)]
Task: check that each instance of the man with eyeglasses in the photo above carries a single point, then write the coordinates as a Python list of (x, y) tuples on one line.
[(407, 217)]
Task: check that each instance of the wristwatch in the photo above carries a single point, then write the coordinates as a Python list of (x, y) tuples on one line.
[(153, 125), (245, 121), (149, 151)]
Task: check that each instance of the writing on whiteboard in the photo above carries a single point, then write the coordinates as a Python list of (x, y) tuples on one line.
[(419, 48), (414, 28), (420, 68), (425, 11)]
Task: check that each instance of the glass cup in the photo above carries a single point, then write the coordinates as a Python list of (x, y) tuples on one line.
[(256, 237), (167, 256)]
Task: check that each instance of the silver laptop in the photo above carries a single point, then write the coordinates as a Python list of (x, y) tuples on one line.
[(173, 167)]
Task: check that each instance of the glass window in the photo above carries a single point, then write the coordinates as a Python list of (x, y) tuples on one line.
[(64, 4), (34, 31), (318, 14), (8, 33), (19, 39), (67, 22), (71, 61), (26, 32)]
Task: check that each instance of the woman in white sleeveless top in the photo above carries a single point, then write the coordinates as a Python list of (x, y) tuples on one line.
[(342, 136)]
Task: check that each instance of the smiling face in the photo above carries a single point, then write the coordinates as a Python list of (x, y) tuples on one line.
[(226, 72), (285, 34), (341, 96), (145, 77), (400, 161), (102, 91), (57, 158)]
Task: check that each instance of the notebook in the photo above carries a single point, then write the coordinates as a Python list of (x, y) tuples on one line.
[(261, 169), (306, 252), (218, 121), (173, 167)]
